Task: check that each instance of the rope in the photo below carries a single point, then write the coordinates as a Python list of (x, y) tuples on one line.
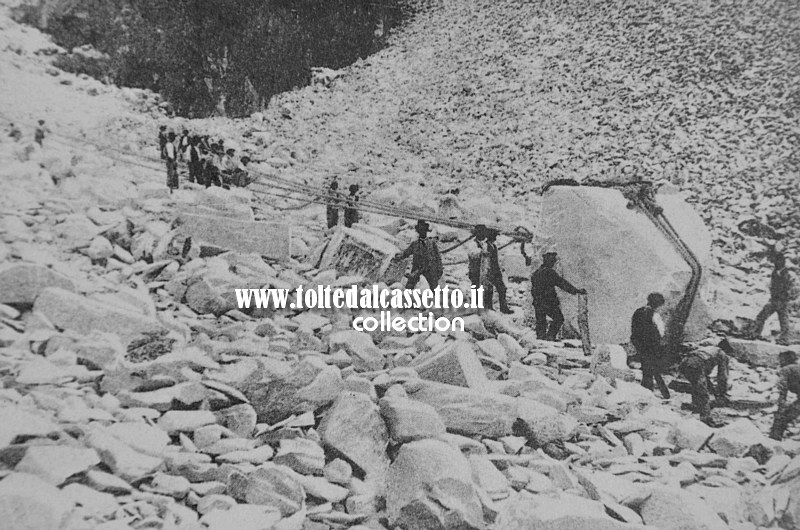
[(279, 184), (445, 251)]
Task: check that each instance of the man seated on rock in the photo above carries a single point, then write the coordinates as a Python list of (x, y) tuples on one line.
[(781, 294), (426, 262), (241, 176), (546, 304), (696, 367), (788, 381), (646, 338), (227, 166)]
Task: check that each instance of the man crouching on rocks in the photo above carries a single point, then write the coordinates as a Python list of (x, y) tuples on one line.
[(696, 367), (788, 380)]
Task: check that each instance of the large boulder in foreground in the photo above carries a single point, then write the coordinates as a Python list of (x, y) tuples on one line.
[(430, 486), (21, 283), (619, 256)]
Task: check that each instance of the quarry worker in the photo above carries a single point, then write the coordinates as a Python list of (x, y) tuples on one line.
[(350, 211), (162, 141), (696, 366), (476, 257), (788, 381), (194, 160), (41, 131), (227, 166), (426, 259), (213, 167), (183, 145), (14, 132), (646, 338), (494, 274), (334, 202), (241, 176), (544, 281), (171, 156), (781, 294)]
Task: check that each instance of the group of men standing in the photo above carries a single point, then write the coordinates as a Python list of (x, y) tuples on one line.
[(335, 201), (647, 328), (208, 163)]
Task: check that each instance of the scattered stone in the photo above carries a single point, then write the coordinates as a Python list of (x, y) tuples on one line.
[(28, 502), (18, 422), (674, 509), (124, 461), (338, 471), (690, 433), (455, 364), (21, 283), (353, 428), (81, 315), (269, 485), (756, 352), (56, 463), (736, 438), (430, 483), (176, 421), (365, 355), (241, 419), (410, 420), (302, 455), (241, 517), (141, 437)]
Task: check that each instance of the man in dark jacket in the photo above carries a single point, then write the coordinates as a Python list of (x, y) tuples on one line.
[(494, 275), (781, 293), (697, 366), (788, 381), (646, 338), (351, 209), (475, 257), (545, 300), (171, 156), (334, 202), (426, 261), (162, 141)]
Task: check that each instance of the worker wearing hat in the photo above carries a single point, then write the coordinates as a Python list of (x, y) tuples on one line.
[(545, 300), (351, 210), (426, 259), (788, 381), (162, 141), (41, 131), (494, 274)]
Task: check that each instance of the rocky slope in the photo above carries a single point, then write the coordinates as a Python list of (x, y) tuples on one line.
[(134, 396)]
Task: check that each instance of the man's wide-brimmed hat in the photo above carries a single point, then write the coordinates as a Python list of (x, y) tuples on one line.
[(423, 226)]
